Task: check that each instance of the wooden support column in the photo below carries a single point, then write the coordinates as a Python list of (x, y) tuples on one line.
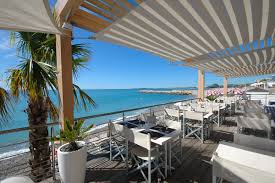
[(64, 76), (225, 86), (201, 84)]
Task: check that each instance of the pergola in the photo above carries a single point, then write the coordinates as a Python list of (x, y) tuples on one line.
[(231, 38)]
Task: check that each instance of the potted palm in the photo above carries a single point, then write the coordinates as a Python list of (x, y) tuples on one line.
[(72, 156)]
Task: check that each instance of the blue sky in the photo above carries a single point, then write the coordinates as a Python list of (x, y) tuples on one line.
[(113, 66)]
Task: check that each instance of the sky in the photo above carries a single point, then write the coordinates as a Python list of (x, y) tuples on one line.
[(114, 67)]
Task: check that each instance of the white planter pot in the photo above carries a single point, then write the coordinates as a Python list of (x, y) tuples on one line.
[(72, 165)]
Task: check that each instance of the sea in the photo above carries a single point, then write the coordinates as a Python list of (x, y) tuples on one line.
[(107, 100)]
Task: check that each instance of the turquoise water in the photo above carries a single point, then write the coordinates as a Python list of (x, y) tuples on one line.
[(107, 100)]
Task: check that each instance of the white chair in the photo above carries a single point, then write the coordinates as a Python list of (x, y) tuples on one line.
[(149, 118), (172, 114), (100, 141), (236, 163), (215, 107), (175, 143), (117, 141), (193, 124), (143, 154)]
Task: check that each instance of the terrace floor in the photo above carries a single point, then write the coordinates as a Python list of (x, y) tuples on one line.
[(195, 166)]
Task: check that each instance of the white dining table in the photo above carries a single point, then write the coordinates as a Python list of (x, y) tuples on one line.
[(161, 141)]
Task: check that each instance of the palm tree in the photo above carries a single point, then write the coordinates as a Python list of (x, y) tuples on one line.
[(34, 77)]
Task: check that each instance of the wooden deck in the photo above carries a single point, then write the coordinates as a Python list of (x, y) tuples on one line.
[(195, 166)]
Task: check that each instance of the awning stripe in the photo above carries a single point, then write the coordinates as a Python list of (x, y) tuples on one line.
[(167, 34), (264, 18), (137, 41), (248, 11), (121, 41), (233, 19), (217, 20), (137, 35), (148, 34), (185, 23), (170, 25), (204, 26)]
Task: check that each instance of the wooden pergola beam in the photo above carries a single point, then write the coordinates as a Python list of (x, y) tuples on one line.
[(126, 4), (88, 21), (97, 11), (138, 1), (115, 5), (106, 8), (65, 8)]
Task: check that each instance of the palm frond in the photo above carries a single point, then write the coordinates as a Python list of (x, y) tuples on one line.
[(78, 64), (5, 106), (73, 132), (53, 111), (82, 98), (32, 78)]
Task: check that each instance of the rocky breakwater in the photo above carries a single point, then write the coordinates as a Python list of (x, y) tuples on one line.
[(172, 92)]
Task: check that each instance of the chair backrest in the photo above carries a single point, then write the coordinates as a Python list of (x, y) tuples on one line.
[(203, 109), (172, 113), (214, 107), (173, 124), (222, 104), (194, 105), (115, 128), (193, 115), (150, 118), (141, 139), (178, 104), (254, 142), (138, 138)]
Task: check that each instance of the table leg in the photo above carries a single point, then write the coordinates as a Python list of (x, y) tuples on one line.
[(170, 158), (127, 154), (218, 118), (165, 160)]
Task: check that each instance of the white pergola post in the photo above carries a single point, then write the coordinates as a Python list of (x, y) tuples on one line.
[(201, 84)]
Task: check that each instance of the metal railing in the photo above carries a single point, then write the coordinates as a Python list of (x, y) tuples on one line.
[(21, 166)]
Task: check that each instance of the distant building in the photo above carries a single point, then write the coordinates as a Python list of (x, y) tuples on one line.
[(265, 83), (259, 85), (259, 94)]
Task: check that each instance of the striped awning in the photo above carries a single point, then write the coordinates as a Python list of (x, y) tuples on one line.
[(193, 30), (256, 62)]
